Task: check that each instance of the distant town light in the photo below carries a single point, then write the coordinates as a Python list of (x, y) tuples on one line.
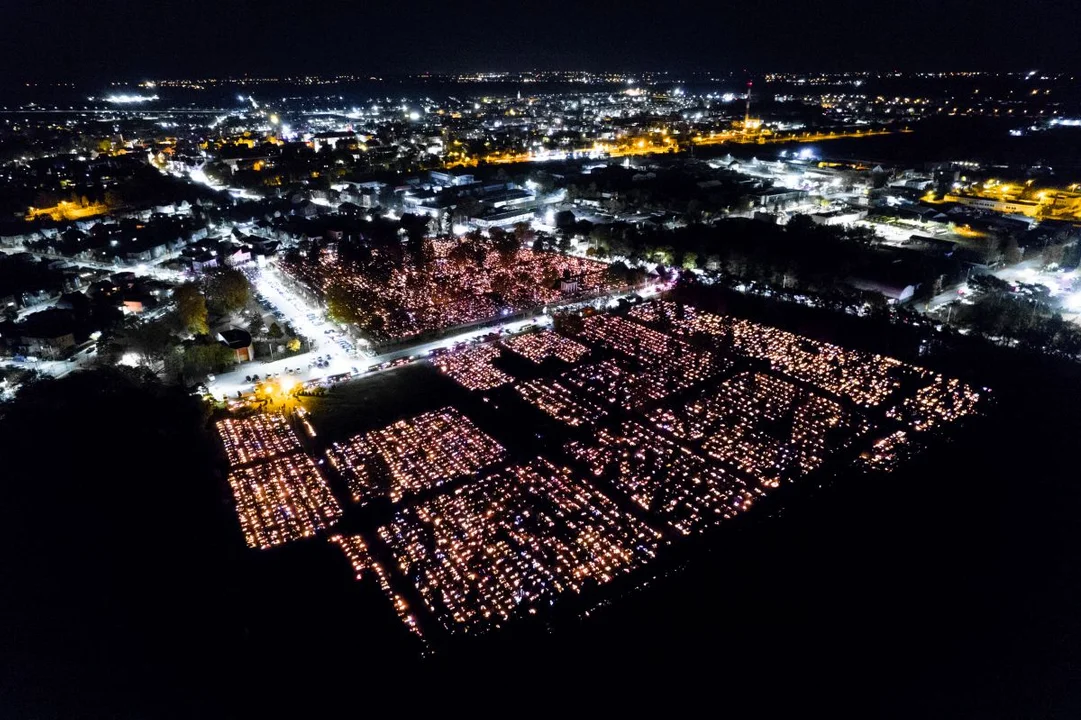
[(129, 99)]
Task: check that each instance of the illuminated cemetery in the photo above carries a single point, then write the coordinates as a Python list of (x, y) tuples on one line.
[(412, 455), (280, 494), (675, 421)]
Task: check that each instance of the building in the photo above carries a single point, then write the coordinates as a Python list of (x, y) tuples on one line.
[(239, 341), (134, 306), (369, 198), (204, 261), (505, 198), (838, 217), (234, 254), (331, 139), (449, 179), (504, 219), (1029, 208), (896, 280), (931, 245), (893, 292), (777, 197), (47, 334), (432, 204)]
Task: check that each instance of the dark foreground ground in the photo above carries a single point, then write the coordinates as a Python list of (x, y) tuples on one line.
[(951, 588)]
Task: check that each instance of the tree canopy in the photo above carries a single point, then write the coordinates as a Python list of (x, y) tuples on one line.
[(191, 309), (256, 326), (203, 356), (227, 290), (151, 340)]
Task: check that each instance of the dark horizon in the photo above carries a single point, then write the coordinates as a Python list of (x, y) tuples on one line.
[(51, 41)]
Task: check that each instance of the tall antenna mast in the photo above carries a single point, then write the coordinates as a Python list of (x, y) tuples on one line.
[(747, 115)]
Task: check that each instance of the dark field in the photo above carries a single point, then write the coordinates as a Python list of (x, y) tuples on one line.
[(360, 405)]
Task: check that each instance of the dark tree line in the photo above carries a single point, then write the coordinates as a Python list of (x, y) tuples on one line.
[(800, 254)]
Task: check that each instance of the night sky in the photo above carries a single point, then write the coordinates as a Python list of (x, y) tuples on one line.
[(132, 39)]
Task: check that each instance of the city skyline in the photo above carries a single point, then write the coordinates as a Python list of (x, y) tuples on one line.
[(125, 39)]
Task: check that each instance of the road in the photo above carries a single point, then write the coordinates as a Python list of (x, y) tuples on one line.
[(53, 368), (323, 338), (1064, 292), (309, 321), (307, 318), (229, 384), (150, 269), (198, 175)]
